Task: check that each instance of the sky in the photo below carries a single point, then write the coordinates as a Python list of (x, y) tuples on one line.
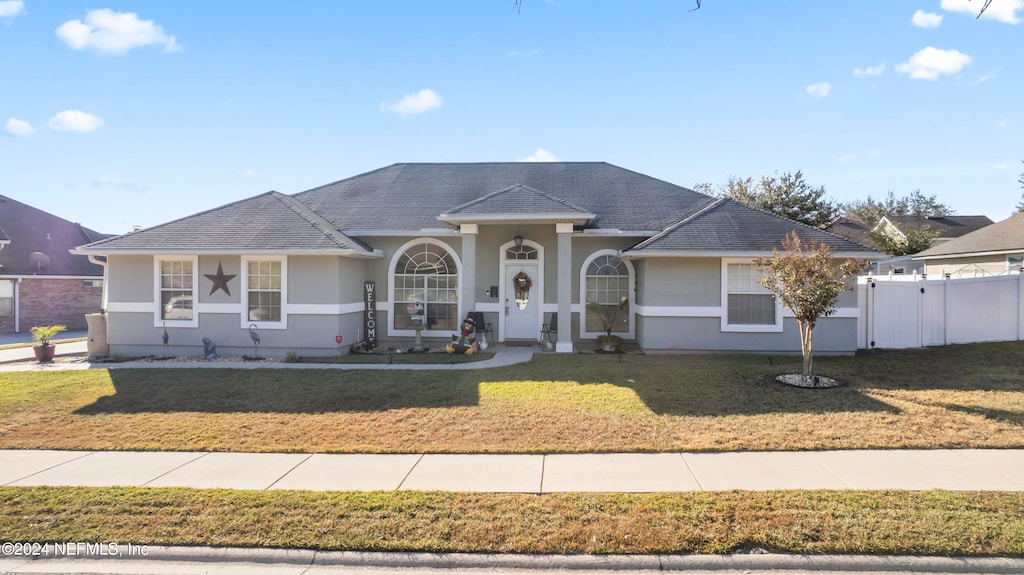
[(119, 113)]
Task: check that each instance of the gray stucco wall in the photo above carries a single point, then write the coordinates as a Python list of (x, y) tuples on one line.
[(691, 282), (661, 334), (130, 278)]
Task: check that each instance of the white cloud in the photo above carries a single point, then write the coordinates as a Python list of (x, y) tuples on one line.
[(11, 8), (74, 121), (541, 155), (869, 71), (847, 157), (418, 103), (819, 90), (523, 53), (923, 19), (1003, 123), (17, 127), (930, 63), (1001, 10), (109, 32)]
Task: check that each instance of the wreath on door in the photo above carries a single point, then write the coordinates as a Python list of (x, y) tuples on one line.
[(522, 284)]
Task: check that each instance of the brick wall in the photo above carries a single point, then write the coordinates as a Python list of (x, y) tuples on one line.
[(46, 301)]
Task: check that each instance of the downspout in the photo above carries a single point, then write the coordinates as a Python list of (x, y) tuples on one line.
[(102, 263)]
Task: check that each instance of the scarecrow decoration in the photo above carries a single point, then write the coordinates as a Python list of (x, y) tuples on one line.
[(465, 342), (522, 284)]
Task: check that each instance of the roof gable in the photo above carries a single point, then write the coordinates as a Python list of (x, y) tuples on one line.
[(729, 226), (518, 203), (269, 222)]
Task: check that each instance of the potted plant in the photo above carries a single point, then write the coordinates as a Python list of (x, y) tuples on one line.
[(608, 314), (43, 334)]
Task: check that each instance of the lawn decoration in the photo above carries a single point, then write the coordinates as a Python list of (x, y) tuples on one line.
[(522, 284), (465, 342)]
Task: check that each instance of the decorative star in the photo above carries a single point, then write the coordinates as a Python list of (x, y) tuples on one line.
[(220, 280)]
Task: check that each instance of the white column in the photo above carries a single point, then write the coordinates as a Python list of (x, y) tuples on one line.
[(564, 343), (468, 297)]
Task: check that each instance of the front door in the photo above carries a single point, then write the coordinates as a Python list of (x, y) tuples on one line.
[(522, 300)]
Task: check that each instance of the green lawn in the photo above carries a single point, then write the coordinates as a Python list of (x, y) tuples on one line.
[(956, 396)]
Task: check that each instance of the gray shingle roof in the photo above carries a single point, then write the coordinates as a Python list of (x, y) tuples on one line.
[(1005, 236), (728, 226), (30, 230), (847, 228), (270, 221), (410, 196), (519, 202), (946, 226)]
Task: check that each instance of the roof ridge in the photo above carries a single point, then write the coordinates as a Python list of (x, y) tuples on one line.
[(316, 220), (713, 205), (174, 221), (508, 189)]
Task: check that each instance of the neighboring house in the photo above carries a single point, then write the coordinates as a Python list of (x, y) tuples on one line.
[(41, 283), (992, 250), (525, 244), (947, 227)]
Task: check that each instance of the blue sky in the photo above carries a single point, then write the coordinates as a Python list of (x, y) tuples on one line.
[(124, 113)]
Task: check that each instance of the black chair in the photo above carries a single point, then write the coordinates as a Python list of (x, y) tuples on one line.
[(549, 331), (482, 327)]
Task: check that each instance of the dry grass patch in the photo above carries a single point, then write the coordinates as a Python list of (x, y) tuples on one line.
[(951, 397), (928, 523)]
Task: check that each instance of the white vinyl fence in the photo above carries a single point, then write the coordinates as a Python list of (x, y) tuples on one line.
[(910, 311)]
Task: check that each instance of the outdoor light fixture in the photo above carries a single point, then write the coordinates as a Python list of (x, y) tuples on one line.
[(517, 239)]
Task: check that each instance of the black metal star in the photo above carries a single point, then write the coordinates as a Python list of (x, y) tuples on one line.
[(220, 280)]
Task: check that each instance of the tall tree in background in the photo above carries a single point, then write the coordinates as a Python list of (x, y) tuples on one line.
[(807, 279), (869, 212), (787, 195)]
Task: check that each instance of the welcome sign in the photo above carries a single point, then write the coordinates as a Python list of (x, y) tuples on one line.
[(370, 314)]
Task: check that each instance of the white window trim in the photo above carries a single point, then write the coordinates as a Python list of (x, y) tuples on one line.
[(745, 328), (631, 334), (391, 288), (244, 312), (158, 320)]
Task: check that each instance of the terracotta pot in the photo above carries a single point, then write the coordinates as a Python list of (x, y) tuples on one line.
[(44, 353)]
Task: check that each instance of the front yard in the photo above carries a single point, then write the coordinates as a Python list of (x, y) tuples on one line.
[(951, 397), (962, 396)]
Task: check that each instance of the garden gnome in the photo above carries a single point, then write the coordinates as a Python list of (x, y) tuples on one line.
[(465, 342)]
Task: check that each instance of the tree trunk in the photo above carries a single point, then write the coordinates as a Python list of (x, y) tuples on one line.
[(807, 346)]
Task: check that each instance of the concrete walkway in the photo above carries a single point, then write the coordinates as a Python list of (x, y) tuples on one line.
[(962, 470)]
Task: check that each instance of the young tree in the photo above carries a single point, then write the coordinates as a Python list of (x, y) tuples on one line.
[(807, 280), (787, 195)]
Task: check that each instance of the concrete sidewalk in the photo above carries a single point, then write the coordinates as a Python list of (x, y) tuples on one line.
[(962, 470)]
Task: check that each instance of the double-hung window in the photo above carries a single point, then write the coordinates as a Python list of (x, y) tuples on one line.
[(749, 305), (176, 281), (265, 282)]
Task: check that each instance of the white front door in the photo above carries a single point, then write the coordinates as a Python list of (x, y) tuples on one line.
[(522, 315)]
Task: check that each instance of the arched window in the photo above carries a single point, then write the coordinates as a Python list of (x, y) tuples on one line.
[(426, 284), (607, 282)]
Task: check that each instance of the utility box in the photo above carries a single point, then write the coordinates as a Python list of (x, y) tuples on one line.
[(97, 340)]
